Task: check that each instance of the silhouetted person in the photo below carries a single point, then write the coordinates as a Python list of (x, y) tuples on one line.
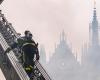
[(28, 48)]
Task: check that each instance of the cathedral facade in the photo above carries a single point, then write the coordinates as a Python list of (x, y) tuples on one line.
[(63, 65)]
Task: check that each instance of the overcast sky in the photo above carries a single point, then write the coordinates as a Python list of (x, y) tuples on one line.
[(46, 19)]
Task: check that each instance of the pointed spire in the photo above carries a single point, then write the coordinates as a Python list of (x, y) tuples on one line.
[(60, 37), (63, 35), (94, 12), (94, 4), (55, 46), (76, 56), (95, 34)]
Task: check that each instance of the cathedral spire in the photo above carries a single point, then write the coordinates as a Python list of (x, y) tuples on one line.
[(94, 27), (95, 21), (94, 4), (94, 12), (63, 36)]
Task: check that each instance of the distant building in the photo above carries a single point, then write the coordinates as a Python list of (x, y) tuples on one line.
[(42, 55), (91, 52), (63, 65)]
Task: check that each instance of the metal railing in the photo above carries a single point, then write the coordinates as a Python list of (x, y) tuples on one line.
[(17, 66), (14, 61), (42, 70)]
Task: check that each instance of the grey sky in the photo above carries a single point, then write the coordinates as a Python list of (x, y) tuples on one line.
[(47, 18)]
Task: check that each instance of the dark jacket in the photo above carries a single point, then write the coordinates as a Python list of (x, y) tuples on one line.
[(28, 46)]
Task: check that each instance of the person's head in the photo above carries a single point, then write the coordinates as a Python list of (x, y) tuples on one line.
[(28, 34)]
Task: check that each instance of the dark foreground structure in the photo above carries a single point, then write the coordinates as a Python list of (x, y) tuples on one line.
[(9, 63)]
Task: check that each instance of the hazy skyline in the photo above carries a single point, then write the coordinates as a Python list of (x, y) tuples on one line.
[(46, 19)]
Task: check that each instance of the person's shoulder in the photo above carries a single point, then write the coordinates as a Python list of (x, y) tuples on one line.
[(21, 39), (32, 41)]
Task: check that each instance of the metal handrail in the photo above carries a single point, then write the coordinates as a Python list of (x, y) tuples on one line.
[(17, 66), (42, 70)]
